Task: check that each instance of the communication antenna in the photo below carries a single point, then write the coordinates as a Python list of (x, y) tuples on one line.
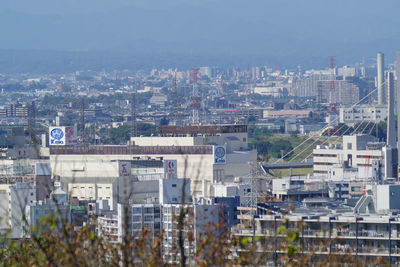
[(256, 173)]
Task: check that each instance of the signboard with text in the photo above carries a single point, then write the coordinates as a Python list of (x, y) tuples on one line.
[(219, 155), (62, 135), (57, 136)]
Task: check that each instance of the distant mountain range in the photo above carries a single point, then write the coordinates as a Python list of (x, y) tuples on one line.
[(193, 33)]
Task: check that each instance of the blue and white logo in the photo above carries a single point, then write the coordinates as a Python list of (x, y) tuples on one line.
[(57, 136), (57, 133), (219, 155)]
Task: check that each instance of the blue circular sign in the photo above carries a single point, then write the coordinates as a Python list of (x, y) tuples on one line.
[(220, 152), (57, 133)]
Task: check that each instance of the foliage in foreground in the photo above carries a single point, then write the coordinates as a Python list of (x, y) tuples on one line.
[(62, 246)]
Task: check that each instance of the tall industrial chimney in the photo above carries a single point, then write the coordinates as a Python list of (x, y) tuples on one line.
[(397, 95), (380, 78), (391, 130)]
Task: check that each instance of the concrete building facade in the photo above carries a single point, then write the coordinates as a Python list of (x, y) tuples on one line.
[(356, 151), (203, 153), (352, 115)]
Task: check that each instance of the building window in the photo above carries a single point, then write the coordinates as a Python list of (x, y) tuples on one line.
[(173, 185), (349, 146), (148, 218), (137, 210), (136, 218), (356, 188)]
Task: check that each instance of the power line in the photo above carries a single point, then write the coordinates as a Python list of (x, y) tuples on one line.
[(329, 124), (337, 137)]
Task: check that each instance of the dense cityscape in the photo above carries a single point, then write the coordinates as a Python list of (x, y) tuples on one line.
[(199, 133), (250, 149)]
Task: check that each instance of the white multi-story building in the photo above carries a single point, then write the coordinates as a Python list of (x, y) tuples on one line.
[(365, 236), (203, 153), (107, 227), (161, 216), (270, 90), (139, 217), (357, 151), (199, 219), (352, 115)]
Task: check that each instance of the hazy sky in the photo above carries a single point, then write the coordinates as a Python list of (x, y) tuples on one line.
[(344, 28)]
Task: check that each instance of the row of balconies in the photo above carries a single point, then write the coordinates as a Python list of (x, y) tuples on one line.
[(308, 233)]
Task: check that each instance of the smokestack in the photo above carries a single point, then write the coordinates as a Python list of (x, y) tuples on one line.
[(380, 78), (397, 95), (391, 131)]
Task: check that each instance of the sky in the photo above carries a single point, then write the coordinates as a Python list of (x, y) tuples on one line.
[(349, 29)]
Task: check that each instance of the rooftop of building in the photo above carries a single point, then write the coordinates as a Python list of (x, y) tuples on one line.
[(321, 210), (130, 150), (201, 129)]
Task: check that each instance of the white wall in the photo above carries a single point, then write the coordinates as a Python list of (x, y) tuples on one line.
[(382, 197), (163, 141), (195, 167), (171, 191), (21, 195), (94, 191)]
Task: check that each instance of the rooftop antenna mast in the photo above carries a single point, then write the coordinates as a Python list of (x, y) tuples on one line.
[(256, 173)]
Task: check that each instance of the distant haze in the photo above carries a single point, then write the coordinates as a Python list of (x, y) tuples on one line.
[(256, 30)]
